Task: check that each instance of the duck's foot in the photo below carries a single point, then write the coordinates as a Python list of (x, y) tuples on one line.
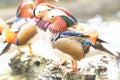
[(32, 54), (69, 71), (20, 51), (76, 75)]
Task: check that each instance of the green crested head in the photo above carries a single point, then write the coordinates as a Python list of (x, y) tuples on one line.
[(70, 21)]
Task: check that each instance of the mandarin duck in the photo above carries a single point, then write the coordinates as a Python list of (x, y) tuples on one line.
[(44, 8), (40, 11), (22, 35), (67, 43), (63, 20), (5, 45), (69, 21), (25, 8)]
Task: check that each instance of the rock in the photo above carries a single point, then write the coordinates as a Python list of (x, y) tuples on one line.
[(39, 68), (27, 65)]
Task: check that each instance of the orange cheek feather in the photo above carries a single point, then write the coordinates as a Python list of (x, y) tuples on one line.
[(27, 11), (58, 25)]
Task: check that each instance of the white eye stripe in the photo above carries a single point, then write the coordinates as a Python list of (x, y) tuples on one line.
[(41, 8), (56, 12)]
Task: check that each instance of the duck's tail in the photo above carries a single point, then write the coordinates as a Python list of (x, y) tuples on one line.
[(4, 47), (98, 45)]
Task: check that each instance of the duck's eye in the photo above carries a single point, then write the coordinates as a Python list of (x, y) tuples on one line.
[(52, 16), (49, 9), (39, 11)]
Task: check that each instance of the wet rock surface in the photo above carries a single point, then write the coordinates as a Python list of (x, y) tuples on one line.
[(28, 65), (39, 68), (34, 67)]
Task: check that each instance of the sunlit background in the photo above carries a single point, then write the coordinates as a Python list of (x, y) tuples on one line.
[(81, 9)]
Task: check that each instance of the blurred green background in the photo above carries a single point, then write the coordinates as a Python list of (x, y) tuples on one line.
[(8, 2), (81, 9)]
